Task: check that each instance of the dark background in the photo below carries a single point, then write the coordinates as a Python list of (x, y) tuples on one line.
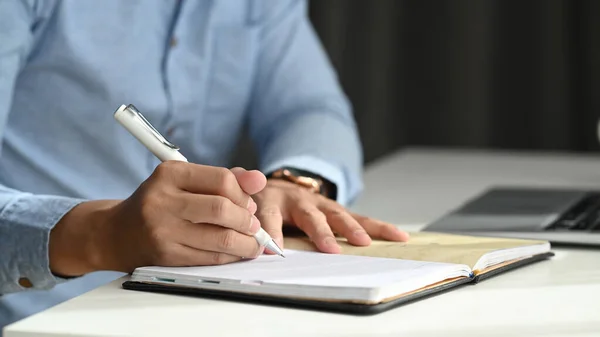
[(474, 73)]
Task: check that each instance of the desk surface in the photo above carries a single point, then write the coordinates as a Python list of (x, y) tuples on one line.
[(560, 297)]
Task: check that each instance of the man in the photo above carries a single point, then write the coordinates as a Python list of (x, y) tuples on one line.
[(82, 201)]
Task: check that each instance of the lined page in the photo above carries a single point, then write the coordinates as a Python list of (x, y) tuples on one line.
[(317, 269)]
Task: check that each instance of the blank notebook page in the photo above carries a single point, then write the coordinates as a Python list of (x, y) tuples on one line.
[(300, 271)]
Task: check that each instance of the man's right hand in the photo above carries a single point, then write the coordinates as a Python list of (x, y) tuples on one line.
[(183, 215)]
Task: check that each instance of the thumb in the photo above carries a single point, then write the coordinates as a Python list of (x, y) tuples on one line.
[(251, 182)]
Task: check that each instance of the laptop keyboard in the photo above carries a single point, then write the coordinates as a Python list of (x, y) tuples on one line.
[(585, 216)]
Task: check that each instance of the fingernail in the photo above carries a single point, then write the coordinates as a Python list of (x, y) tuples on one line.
[(251, 207), (360, 234), (331, 242), (396, 234), (254, 224)]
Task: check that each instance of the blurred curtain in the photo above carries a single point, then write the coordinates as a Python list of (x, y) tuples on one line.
[(475, 73)]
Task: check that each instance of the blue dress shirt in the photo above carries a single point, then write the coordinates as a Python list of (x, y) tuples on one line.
[(198, 70)]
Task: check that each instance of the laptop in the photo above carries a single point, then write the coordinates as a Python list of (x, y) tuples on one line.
[(561, 216)]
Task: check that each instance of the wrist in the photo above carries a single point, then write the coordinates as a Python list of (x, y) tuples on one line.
[(78, 242)]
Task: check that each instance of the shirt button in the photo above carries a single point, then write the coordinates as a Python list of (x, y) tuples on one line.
[(25, 283), (173, 42)]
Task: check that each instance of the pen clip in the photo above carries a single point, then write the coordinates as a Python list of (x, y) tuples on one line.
[(131, 108)]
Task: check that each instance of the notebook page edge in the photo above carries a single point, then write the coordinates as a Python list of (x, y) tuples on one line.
[(501, 256), (432, 272)]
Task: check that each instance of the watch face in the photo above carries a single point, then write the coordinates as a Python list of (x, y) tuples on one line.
[(309, 180), (310, 183)]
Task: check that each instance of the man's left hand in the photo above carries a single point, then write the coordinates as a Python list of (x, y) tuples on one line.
[(282, 202)]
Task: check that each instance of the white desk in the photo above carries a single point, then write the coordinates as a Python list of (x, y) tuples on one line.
[(560, 297)]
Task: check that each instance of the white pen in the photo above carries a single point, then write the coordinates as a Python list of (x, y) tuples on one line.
[(133, 120)]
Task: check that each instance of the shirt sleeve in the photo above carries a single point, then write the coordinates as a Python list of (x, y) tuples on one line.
[(299, 115), (25, 219)]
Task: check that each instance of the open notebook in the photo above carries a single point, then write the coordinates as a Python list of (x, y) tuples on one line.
[(360, 280)]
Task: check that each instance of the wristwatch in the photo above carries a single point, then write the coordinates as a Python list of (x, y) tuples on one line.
[(308, 180)]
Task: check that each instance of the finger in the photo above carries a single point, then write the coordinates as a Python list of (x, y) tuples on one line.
[(218, 239), (216, 210), (344, 224), (203, 179), (271, 220), (380, 229), (314, 223), (185, 256), (251, 182)]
